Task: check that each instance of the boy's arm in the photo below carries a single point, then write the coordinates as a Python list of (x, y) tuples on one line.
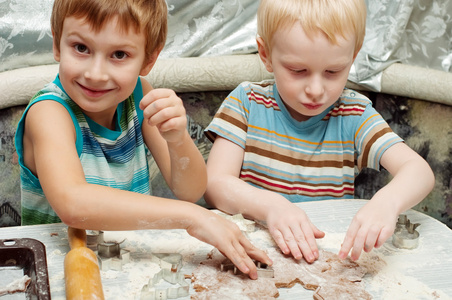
[(375, 222), (50, 153), (289, 225), (49, 143), (165, 133)]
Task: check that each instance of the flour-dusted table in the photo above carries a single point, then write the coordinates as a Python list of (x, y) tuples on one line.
[(421, 273)]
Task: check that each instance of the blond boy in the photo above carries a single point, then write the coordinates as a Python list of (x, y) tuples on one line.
[(299, 137)]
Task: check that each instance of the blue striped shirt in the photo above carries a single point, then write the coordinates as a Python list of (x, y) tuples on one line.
[(303, 161)]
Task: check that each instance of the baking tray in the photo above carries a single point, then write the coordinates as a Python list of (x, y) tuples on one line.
[(30, 256)]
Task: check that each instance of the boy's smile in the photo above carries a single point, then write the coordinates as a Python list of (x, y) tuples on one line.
[(99, 69), (310, 72), (93, 92)]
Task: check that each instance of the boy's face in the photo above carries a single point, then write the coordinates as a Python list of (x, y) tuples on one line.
[(310, 72), (98, 70)]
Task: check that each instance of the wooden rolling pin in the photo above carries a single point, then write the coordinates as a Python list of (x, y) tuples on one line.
[(81, 269)]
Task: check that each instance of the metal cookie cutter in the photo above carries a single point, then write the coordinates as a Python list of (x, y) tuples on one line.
[(171, 261), (152, 291), (109, 254), (263, 270), (170, 264), (405, 235), (93, 238)]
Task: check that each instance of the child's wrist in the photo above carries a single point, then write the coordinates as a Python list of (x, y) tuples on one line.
[(180, 142)]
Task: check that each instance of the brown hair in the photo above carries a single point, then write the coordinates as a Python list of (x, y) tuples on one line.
[(332, 17), (148, 16)]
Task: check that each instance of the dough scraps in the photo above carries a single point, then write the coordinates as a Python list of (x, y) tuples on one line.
[(17, 286), (329, 277)]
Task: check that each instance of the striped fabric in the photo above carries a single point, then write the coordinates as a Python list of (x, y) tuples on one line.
[(304, 161), (114, 158)]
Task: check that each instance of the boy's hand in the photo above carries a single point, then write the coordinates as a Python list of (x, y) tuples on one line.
[(165, 110), (229, 240), (293, 232), (372, 225)]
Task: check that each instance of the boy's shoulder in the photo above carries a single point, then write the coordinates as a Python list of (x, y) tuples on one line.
[(52, 90), (263, 94), (266, 86), (350, 104), (352, 97), (264, 89)]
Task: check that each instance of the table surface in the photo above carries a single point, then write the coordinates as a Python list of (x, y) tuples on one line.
[(421, 273)]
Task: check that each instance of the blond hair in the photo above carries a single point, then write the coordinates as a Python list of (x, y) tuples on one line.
[(331, 17), (147, 16)]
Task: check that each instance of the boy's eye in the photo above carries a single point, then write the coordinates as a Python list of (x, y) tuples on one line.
[(119, 55), (81, 48), (299, 71)]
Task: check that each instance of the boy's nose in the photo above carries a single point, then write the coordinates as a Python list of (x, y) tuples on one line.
[(314, 89), (96, 70)]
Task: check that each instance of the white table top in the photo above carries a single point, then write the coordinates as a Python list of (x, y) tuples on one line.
[(421, 273)]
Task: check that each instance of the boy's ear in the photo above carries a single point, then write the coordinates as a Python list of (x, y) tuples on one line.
[(357, 49), (264, 54), (147, 66), (56, 52)]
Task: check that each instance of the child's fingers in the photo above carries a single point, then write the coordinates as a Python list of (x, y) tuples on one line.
[(293, 245), (167, 120), (238, 256), (358, 245), (240, 251), (155, 95), (148, 99), (318, 234), (303, 249), (163, 109), (279, 240), (255, 253), (162, 100), (385, 233), (348, 241), (308, 244), (299, 239), (153, 108), (371, 239)]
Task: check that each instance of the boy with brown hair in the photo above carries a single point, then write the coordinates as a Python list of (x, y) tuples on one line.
[(300, 136), (84, 138)]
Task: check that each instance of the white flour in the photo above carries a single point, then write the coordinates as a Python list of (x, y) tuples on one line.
[(384, 280)]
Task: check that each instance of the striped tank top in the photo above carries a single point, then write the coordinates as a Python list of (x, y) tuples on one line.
[(115, 158)]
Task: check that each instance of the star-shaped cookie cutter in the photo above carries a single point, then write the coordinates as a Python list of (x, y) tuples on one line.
[(170, 264)]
